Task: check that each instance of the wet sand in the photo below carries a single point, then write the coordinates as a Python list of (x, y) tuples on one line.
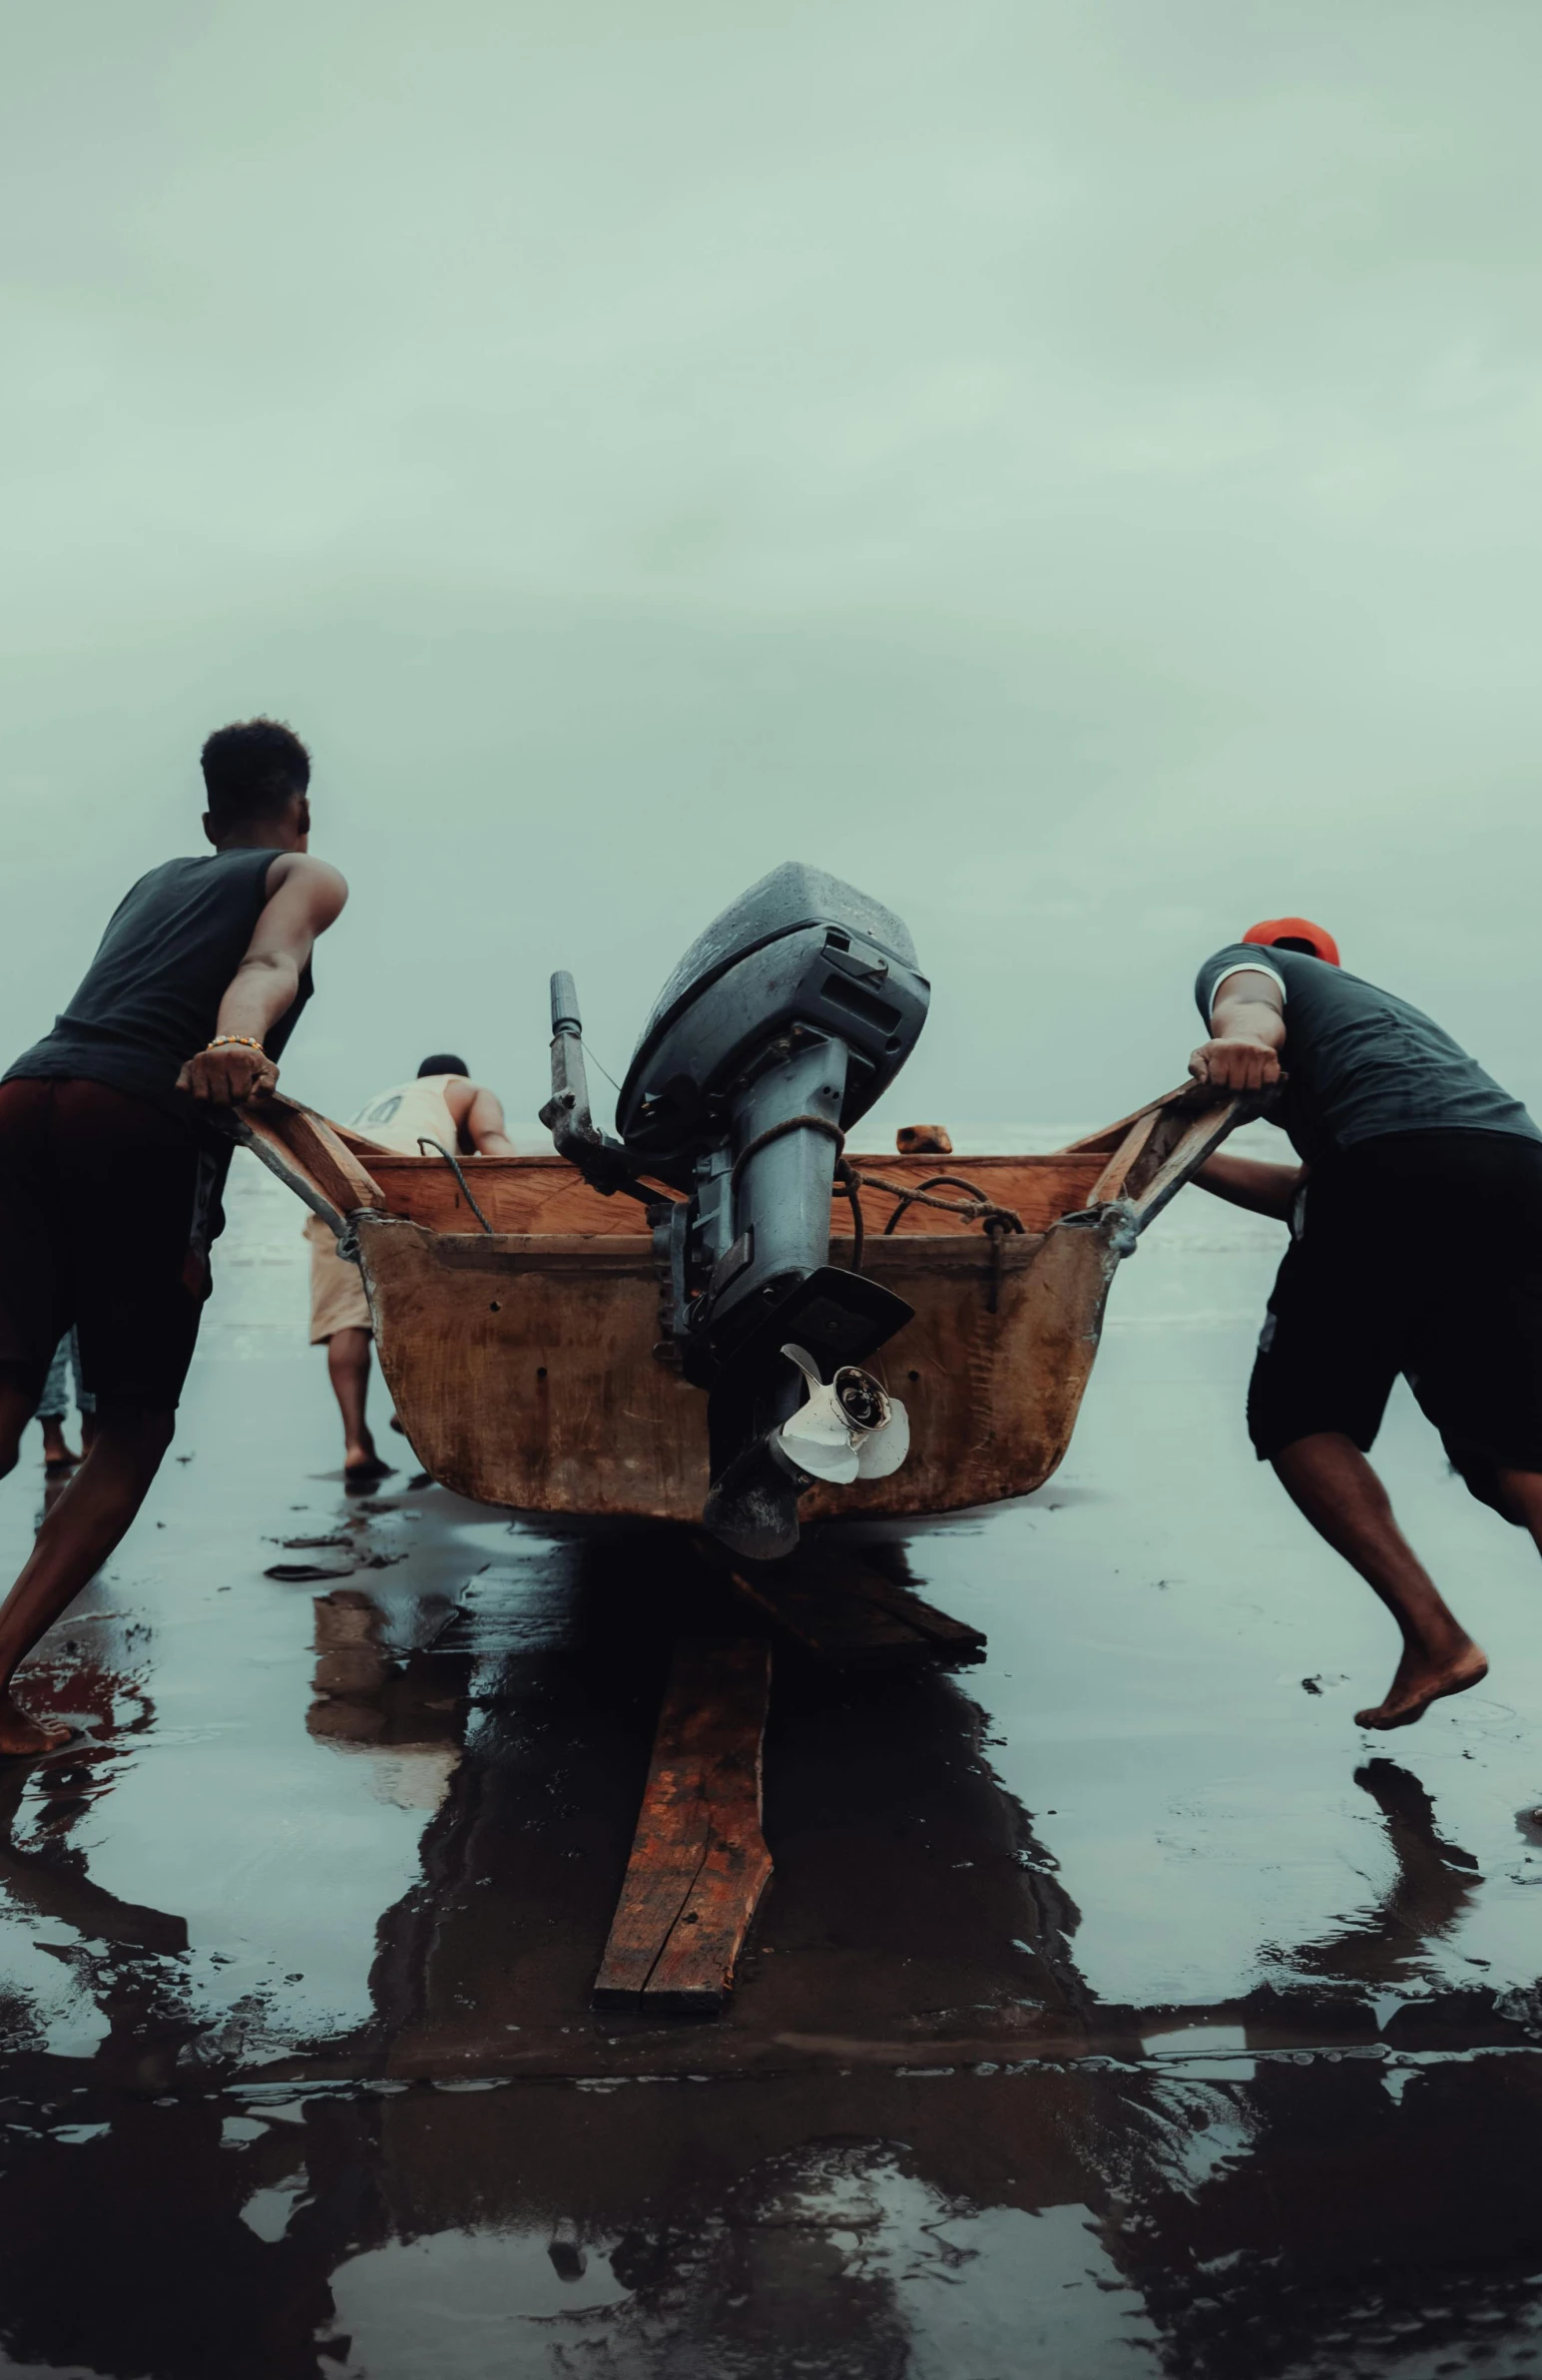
[(1117, 2007)]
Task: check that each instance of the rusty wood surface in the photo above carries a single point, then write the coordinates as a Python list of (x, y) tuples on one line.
[(544, 1196), (699, 1861), (522, 1363), (524, 1374)]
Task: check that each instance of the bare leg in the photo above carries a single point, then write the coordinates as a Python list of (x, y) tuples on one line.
[(347, 1364), (56, 1454), (89, 1520), (1329, 1480)]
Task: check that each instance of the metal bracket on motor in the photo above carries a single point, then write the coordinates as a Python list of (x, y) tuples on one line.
[(603, 1162)]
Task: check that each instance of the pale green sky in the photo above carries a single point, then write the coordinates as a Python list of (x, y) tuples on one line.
[(1074, 468)]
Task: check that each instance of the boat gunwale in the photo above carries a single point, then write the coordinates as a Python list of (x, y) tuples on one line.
[(614, 1252), (923, 1161)]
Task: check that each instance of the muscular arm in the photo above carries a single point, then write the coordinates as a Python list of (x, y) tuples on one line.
[(478, 1114), (305, 897), (1248, 1032), (1246, 1182)]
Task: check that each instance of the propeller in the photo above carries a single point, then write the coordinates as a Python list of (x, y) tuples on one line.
[(850, 1429)]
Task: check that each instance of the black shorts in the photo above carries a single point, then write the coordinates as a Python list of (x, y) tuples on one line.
[(1420, 1253), (105, 1214)]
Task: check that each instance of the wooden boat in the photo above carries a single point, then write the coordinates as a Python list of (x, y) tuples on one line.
[(522, 1344)]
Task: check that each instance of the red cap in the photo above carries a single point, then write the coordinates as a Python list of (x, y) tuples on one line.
[(1295, 930)]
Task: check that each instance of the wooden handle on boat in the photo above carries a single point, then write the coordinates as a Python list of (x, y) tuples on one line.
[(303, 1149), (1197, 1137)]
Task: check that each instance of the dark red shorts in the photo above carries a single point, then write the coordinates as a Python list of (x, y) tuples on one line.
[(102, 1205)]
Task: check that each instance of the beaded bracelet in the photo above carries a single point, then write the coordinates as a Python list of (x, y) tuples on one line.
[(234, 1041)]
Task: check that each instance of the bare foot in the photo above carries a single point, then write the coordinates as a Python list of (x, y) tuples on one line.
[(362, 1470), (23, 1738), (1423, 1678)]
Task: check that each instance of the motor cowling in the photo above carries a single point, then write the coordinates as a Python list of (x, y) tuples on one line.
[(780, 1026)]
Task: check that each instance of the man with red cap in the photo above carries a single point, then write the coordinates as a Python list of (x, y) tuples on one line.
[(1416, 1247)]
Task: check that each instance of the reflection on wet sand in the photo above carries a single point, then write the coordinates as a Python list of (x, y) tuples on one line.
[(1433, 1882), (850, 2226), (50, 1881), (380, 1707), (910, 1897), (916, 2143)]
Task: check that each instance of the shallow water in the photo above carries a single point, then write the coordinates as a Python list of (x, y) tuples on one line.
[(1116, 2007)]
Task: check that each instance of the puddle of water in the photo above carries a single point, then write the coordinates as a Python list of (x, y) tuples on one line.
[(1081, 2223), (1097, 2019)]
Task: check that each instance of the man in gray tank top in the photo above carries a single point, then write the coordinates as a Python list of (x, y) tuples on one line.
[(110, 1173), (1416, 1248)]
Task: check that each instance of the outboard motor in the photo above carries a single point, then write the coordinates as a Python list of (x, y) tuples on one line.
[(775, 1033)]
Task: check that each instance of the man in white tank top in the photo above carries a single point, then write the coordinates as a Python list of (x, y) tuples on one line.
[(443, 1104)]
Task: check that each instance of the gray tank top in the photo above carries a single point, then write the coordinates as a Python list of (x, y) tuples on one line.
[(152, 994)]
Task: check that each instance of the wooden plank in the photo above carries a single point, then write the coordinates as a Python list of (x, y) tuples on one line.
[(695, 1973), (307, 1156), (939, 1628), (824, 1620), (1112, 1179), (339, 1173), (841, 1609), (699, 1861), (1198, 1139), (668, 1850)]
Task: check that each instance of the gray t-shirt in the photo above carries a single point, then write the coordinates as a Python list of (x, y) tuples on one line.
[(1361, 1062)]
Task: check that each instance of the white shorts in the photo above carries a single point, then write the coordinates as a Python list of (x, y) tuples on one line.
[(338, 1299)]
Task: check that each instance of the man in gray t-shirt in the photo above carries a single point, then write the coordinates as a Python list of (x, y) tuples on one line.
[(1361, 1061), (1417, 1215)]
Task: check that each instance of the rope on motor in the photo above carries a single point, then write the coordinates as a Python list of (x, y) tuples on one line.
[(845, 1174), (851, 1182), (763, 1140), (453, 1164)]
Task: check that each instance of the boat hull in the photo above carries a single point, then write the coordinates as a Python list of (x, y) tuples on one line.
[(523, 1370), (516, 1309)]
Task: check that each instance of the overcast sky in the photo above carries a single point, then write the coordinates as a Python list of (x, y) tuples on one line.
[(1075, 469)]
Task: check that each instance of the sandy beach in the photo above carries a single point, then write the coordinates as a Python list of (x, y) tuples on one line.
[(1116, 2007)]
